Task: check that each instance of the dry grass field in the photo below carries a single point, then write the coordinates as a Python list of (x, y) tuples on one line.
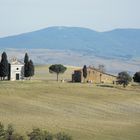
[(85, 111)]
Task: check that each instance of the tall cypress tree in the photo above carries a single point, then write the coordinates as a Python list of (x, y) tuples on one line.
[(26, 65), (85, 72), (4, 66), (31, 69), (26, 58)]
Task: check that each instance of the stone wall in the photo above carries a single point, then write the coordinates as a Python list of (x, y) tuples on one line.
[(94, 76)]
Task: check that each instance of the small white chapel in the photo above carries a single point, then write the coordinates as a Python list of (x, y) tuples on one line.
[(16, 70)]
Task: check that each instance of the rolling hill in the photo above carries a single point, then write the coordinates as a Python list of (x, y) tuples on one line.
[(84, 111), (117, 43)]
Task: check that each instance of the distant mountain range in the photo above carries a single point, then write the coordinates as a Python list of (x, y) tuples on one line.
[(123, 43), (120, 44)]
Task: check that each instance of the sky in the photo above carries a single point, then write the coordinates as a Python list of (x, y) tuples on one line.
[(20, 16)]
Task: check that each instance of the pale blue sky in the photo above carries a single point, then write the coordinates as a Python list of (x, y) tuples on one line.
[(18, 16)]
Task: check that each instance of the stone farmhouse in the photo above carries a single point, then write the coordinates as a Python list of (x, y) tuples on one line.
[(16, 70), (93, 76)]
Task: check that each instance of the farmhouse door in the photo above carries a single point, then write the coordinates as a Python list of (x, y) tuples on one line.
[(17, 76)]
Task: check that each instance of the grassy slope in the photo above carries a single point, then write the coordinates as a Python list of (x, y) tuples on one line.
[(85, 111)]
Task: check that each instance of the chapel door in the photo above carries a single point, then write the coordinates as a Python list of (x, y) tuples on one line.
[(17, 76)]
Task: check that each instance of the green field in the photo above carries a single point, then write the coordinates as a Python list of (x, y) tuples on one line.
[(85, 111)]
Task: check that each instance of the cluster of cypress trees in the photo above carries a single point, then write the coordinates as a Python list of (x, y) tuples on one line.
[(28, 67), (4, 66)]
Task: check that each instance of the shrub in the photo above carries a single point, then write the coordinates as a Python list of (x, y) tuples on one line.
[(10, 135), (35, 134), (63, 136), (48, 135), (17, 137), (38, 134), (2, 131)]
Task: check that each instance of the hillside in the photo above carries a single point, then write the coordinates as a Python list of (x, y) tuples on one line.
[(120, 43), (85, 111), (117, 49)]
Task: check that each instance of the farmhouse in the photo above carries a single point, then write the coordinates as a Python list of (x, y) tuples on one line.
[(93, 76), (16, 70)]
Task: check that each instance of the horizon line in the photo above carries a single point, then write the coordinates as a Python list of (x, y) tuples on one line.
[(39, 29)]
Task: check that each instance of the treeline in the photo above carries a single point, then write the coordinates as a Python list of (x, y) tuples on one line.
[(36, 134), (5, 67)]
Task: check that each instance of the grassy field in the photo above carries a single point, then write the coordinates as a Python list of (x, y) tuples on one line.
[(85, 111)]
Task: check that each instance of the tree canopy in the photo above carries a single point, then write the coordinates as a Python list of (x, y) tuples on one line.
[(124, 78), (58, 69), (137, 77)]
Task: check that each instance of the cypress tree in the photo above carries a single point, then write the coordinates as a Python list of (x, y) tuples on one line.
[(31, 69), (26, 65), (4, 66), (85, 72), (26, 58)]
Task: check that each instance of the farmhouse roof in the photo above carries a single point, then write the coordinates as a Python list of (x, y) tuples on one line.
[(100, 71), (93, 68)]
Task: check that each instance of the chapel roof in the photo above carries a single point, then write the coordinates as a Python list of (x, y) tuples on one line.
[(15, 61)]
